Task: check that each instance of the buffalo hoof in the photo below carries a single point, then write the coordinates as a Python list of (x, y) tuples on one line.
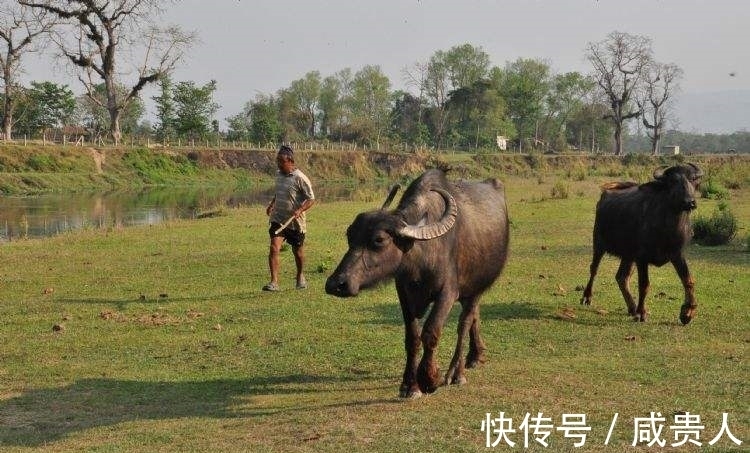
[(686, 315), (458, 380), (428, 377), (473, 361), (586, 300), (428, 385), (454, 377), (411, 394)]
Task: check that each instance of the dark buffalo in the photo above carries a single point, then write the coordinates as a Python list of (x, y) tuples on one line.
[(647, 224), (444, 242)]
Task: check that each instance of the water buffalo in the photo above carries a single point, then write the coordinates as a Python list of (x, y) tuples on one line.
[(647, 224), (445, 241)]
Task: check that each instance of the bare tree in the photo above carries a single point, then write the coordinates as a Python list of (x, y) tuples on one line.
[(619, 62), (20, 28), (660, 83), (111, 40)]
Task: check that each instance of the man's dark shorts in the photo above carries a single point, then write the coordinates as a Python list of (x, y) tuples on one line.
[(295, 238)]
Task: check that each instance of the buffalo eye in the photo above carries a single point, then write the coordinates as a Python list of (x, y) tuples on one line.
[(380, 240)]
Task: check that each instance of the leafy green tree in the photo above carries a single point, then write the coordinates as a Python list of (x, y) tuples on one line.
[(165, 111), (238, 126), (407, 123), (525, 84), (566, 95), (265, 126), (306, 93), (194, 109), (587, 127), (466, 65), (45, 105), (447, 71), (370, 104), (479, 115), (334, 104), (293, 121)]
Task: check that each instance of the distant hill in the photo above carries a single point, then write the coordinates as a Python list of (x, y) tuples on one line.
[(718, 112)]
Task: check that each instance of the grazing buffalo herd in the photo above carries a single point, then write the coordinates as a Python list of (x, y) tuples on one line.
[(448, 241)]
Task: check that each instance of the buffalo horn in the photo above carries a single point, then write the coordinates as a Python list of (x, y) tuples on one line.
[(437, 229), (659, 172), (391, 195), (698, 171)]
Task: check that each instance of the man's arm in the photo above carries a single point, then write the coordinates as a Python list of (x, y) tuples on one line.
[(307, 204)]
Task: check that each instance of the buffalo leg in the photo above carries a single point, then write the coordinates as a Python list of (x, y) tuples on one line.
[(427, 373), (475, 357), (690, 306), (588, 292), (455, 374), (643, 285), (623, 281), (409, 386)]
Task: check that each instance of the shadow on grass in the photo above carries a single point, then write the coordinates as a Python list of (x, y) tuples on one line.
[(391, 314), (47, 415), (122, 304), (512, 310)]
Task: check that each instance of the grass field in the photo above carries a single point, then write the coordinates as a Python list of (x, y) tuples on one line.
[(159, 339)]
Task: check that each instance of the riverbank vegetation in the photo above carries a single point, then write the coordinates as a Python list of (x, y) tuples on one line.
[(159, 338), (36, 168)]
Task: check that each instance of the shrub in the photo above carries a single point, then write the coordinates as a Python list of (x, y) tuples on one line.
[(560, 190), (718, 229), (714, 190), (42, 163)]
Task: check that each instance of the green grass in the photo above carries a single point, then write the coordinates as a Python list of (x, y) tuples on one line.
[(168, 344)]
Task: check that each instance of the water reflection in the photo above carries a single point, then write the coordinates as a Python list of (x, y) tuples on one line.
[(47, 215)]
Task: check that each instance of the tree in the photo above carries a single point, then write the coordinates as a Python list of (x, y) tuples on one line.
[(659, 85), (406, 120), (587, 126), (265, 126), (446, 71), (525, 84), (194, 109), (306, 92), (565, 96), (42, 106), (20, 28), (332, 103), (93, 115), (479, 115), (619, 62), (104, 34), (370, 104), (165, 113)]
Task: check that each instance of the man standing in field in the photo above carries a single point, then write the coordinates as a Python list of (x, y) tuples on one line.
[(293, 196)]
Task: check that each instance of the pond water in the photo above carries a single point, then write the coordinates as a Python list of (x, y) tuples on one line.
[(47, 215)]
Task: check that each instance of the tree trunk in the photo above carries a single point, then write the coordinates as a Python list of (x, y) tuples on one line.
[(114, 125), (618, 138), (655, 144), (7, 121), (7, 104)]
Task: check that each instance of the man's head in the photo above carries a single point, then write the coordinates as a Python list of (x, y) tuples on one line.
[(285, 159)]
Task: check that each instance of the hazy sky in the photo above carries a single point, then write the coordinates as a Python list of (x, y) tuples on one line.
[(260, 46)]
